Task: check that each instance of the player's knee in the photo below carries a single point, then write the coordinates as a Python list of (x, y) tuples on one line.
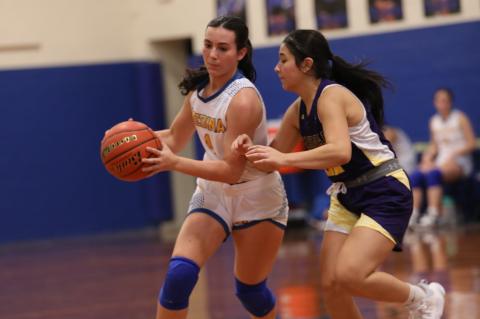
[(182, 275), (328, 285), (417, 179), (348, 277), (434, 178), (257, 299)]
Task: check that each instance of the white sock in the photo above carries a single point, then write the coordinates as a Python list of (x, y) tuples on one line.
[(413, 218), (415, 213), (416, 294), (432, 211)]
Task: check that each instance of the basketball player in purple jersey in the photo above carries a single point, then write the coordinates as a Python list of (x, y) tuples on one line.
[(339, 114)]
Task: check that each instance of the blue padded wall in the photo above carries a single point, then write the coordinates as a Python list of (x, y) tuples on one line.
[(52, 180)]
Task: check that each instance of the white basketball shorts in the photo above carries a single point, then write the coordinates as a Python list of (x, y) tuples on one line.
[(242, 205)]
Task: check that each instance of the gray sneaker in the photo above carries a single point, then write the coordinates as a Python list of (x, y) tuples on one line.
[(430, 307)]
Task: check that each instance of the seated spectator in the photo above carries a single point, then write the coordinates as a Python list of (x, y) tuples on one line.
[(402, 146), (447, 158)]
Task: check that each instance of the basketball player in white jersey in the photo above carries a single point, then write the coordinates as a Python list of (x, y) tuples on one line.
[(232, 196), (447, 158)]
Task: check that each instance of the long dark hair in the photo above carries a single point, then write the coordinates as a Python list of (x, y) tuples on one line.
[(365, 84), (194, 77)]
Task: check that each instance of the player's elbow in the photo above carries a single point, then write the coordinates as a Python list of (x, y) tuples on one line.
[(232, 176), (231, 180), (343, 156)]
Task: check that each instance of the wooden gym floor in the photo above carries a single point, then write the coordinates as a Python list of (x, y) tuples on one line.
[(118, 277)]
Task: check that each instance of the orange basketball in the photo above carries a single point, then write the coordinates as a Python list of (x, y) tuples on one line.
[(123, 148)]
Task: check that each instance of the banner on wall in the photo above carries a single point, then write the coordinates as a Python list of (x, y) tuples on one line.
[(441, 7), (331, 14), (280, 17), (232, 8), (385, 10)]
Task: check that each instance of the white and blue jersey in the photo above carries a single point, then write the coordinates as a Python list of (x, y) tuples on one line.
[(257, 196), (209, 116)]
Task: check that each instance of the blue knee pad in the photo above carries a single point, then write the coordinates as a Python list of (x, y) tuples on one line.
[(257, 299), (182, 275), (417, 179), (434, 177)]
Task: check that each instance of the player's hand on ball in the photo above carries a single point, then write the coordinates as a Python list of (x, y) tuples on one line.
[(161, 160), (123, 147)]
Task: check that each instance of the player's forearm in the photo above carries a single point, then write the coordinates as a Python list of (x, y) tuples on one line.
[(219, 171), (283, 145), (322, 157), (166, 137)]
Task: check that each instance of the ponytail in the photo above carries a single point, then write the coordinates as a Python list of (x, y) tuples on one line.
[(246, 64), (364, 83)]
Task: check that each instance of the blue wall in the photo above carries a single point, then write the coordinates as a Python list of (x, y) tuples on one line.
[(53, 183), (415, 61), (52, 180)]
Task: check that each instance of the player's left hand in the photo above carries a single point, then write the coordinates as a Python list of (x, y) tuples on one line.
[(162, 160), (241, 144), (265, 156)]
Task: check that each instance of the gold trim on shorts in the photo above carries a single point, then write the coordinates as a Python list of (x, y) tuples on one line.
[(342, 220)]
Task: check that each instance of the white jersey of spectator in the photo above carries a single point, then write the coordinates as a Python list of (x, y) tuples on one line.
[(449, 137)]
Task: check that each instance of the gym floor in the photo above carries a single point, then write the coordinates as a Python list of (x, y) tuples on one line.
[(118, 276)]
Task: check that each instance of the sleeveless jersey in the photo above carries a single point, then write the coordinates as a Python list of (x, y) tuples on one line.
[(369, 146), (209, 117), (448, 135)]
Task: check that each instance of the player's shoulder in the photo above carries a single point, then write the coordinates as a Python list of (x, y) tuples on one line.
[(246, 98), (336, 94), (294, 107), (189, 99), (336, 91)]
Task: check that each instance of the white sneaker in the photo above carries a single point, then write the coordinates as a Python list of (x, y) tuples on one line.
[(430, 307), (428, 220), (413, 219)]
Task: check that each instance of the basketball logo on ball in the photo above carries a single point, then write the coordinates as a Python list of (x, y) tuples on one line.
[(123, 148)]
